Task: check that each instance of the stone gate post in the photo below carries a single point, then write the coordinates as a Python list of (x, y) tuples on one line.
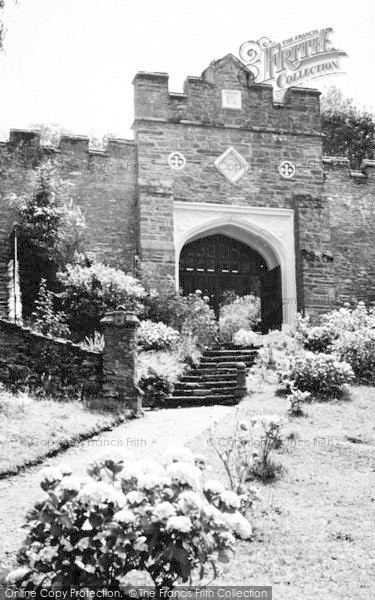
[(119, 358)]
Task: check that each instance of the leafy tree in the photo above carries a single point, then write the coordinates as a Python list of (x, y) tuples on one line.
[(50, 230), (349, 131)]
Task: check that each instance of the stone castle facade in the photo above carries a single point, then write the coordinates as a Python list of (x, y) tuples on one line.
[(219, 164)]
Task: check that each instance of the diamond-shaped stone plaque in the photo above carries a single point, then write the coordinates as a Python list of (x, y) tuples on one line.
[(232, 165)]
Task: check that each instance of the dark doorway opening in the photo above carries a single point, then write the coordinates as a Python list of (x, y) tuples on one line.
[(216, 264)]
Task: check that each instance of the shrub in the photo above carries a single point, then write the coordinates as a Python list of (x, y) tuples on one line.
[(242, 463), (188, 350), (296, 399), (244, 337), (45, 318), (157, 372), (241, 313), (275, 352), (316, 338), (190, 315), (320, 374), (156, 336), (129, 517), (88, 292), (358, 349)]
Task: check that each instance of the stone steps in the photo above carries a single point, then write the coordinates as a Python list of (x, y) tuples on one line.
[(219, 378)]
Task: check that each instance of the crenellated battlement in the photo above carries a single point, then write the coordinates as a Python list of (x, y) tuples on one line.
[(28, 145), (201, 102)]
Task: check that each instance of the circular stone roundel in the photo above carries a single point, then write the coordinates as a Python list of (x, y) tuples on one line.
[(287, 169), (176, 161)]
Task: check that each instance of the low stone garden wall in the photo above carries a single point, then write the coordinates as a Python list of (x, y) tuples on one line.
[(63, 369)]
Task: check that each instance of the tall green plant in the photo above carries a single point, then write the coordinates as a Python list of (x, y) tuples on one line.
[(48, 219)]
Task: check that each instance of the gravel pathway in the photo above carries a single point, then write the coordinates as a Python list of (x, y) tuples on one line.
[(146, 438)]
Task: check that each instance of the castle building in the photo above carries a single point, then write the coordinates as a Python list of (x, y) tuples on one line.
[(223, 189)]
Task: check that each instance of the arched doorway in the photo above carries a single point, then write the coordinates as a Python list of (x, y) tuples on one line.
[(218, 263)]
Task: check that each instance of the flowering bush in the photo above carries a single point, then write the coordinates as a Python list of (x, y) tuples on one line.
[(126, 518), (241, 313), (157, 372), (321, 338), (190, 315), (88, 292), (358, 349), (245, 337), (275, 353), (156, 336), (316, 338), (320, 374), (350, 319)]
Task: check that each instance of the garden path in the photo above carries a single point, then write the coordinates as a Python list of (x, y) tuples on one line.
[(146, 438)]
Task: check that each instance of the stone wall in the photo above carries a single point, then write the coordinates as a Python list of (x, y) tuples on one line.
[(59, 366), (351, 199), (104, 185), (64, 369)]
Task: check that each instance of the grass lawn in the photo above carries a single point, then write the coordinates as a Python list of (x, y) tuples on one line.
[(314, 532), (32, 429)]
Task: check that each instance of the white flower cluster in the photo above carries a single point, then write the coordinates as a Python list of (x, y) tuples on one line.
[(156, 336), (185, 474), (98, 492)]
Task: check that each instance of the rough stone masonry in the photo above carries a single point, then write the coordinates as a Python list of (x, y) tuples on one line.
[(130, 191)]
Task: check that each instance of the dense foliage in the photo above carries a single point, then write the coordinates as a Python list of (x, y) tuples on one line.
[(157, 336), (239, 313), (190, 315), (88, 292), (348, 131), (46, 318), (323, 375), (129, 517), (50, 231)]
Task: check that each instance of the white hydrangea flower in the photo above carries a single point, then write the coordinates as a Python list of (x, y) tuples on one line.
[(230, 499), (190, 501), (239, 524), (48, 553), (179, 523), (125, 516), (70, 483), (116, 456), (200, 460), (163, 510), (178, 454), (243, 528), (211, 512), (131, 471), (135, 497), (65, 469), (17, 575), (50, 475), (166, 481), (149, 466), (184, 474), (150, 481), (101, 493), (214, 486)]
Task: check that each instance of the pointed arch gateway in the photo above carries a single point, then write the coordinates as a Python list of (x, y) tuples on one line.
[(262, 240)]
